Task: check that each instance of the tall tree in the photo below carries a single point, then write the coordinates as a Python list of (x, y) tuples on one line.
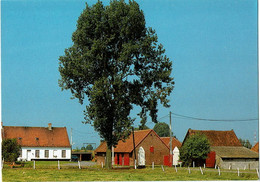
[(117, 63), (195, 148), (162, 129), (10, 150)]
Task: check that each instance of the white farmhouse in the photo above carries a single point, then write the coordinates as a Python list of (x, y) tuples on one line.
[(40, 143)]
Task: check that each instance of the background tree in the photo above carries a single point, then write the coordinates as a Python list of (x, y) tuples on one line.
[(117, 63), (162, 129), (83, 148), (245, 143), (89, 147), (10, 150), (195, 148), (142, 127)]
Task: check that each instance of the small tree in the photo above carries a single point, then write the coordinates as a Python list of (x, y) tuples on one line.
[(83, 148), (89, 147), (195, 148), (10, 150), (162, 129)]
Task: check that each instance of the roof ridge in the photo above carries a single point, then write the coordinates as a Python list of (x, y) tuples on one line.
[(33, 127), (211, 130)]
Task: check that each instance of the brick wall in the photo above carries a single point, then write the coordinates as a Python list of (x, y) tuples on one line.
[(160, 149)]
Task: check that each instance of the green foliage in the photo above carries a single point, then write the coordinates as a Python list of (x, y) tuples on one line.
[(195, 148), (117, 63), (89, 147), (245, 143), (162, 129), (83, 148), (10, 149), (77, 149), (140, 127)]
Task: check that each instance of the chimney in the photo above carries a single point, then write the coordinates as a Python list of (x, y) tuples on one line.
[(49, 126)]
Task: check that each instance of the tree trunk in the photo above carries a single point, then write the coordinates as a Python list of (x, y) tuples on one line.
[(109, 157)]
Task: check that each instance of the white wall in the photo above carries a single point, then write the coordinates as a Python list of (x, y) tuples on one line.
[(55, 153)]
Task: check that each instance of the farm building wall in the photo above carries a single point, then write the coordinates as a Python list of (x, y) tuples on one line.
[(45, 153), (226, 163)]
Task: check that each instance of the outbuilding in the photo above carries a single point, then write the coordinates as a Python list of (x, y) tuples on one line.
[(40, 143), (149, 148), (226, 150)]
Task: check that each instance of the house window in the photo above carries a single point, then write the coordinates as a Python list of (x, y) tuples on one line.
[(46, 153), (63, 153), (37, 153)]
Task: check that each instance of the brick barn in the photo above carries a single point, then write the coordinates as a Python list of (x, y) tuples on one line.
[(145, 140), (226, 150)]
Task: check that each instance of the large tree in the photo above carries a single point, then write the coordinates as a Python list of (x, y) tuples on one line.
[(117, 63), (195, 148)]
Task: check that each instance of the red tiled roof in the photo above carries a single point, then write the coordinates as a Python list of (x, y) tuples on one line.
[(128, 146), (175, 142), (218, 138), (256, 147), (38, 136)]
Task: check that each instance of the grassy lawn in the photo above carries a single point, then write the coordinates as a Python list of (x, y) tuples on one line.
[(99, 174)]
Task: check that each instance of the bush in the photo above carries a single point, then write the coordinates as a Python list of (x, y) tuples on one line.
[(10, 150)]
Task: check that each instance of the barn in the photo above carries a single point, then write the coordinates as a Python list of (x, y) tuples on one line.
[(226, 150), (40, 143), (149, 148)]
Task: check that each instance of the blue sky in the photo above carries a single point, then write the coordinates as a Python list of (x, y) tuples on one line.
[(213, 46)]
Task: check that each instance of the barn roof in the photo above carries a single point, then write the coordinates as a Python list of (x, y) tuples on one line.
[(217, 138), (37, 136), (255, 147), (234, 152), (128, 146), (175, 142)]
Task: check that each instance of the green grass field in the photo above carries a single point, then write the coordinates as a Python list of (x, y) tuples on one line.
[(47, 171)]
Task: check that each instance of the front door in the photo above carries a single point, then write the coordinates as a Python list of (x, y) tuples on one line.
[(28, 155)]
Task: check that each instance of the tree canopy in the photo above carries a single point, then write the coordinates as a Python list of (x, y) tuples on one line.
[(162, 129), (117, 63), (245, 143), (195, 148), (10, 150), (89, 147)]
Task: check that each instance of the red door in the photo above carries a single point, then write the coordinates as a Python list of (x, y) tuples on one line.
[(126, 159), (210, 161), (116, 159), (120, 159), (167, 160)]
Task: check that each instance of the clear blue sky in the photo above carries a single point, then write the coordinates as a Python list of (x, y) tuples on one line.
[(213, 46)]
